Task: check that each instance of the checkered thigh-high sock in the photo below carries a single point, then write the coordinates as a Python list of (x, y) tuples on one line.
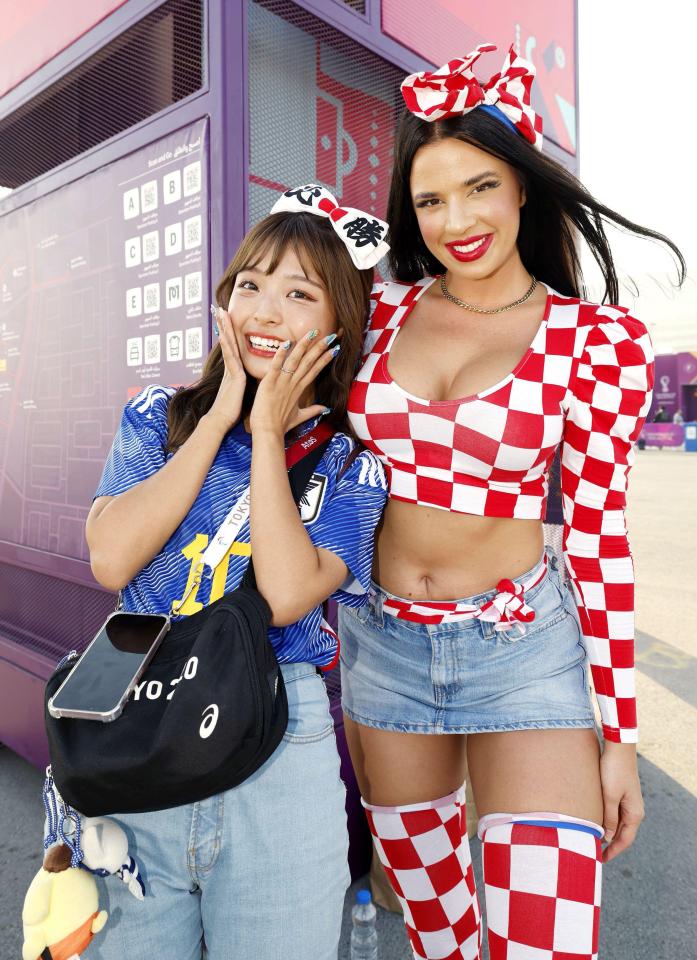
[(425, 851), (542, 883)]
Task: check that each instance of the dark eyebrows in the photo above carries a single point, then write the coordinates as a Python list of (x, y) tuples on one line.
[(470, 182), (287, 276), (479, 177)]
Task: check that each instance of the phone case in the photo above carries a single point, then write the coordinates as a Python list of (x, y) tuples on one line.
[(115, 712)]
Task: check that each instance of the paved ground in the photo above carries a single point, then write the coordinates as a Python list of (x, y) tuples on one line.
[(650, 893)]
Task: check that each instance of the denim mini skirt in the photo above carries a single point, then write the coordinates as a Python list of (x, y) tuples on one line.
[(467, 676)]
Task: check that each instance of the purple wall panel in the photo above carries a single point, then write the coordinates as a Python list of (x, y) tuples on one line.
[(673, 373), (665, 391), (104, 289), (21, 713), (687, 367), (663, 434)]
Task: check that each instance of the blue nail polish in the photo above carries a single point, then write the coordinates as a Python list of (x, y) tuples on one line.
[(286, 345), (312, 334), (331, 338), (335, 351), (215, 313)]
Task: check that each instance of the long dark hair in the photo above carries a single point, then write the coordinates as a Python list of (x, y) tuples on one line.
[(316, 244), (558, 208)]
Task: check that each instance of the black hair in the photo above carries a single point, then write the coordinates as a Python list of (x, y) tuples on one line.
[(557, 211)]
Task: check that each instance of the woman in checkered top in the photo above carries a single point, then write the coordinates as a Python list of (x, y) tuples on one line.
[(475, 374)]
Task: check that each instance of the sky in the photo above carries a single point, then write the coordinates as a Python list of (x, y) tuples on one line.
[(638, 128)]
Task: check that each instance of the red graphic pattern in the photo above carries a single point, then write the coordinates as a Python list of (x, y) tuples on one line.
[(453, 90), (542, 888), (426, 855), (584, 385), (505, 610)]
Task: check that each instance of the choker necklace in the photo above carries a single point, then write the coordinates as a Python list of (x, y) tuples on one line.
[(468, 306)]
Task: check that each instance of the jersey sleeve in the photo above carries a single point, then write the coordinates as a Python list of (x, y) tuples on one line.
[(139, 447), (348, 519), (607, 405)]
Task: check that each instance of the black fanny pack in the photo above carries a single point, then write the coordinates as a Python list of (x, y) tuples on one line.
[(210, 710)]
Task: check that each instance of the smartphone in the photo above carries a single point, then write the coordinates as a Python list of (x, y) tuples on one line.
[(101, 681)]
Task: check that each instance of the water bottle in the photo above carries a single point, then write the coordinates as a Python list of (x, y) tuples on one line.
[(364, 936)]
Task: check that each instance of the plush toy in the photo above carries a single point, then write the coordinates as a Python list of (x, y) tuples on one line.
[(61, 909), (105, 851)]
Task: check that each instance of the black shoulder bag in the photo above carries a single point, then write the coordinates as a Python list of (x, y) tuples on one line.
[(211, 710)]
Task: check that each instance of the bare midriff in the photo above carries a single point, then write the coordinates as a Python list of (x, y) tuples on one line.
[(423, 553)]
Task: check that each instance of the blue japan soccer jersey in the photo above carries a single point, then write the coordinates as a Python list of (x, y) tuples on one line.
[(340, 514)]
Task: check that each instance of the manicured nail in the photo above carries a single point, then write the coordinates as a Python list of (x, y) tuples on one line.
[(609, 835), (335, 351), (214, 314), (312, 334), (286, 344), (327, 409), (330, 339)]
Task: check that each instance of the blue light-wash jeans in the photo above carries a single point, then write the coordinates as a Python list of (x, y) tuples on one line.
[(259, 871)]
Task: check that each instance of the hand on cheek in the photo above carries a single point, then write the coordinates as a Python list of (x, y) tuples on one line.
[(291, 372)]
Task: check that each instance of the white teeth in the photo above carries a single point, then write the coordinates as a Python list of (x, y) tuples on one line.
[(468, 248), (263, 344)]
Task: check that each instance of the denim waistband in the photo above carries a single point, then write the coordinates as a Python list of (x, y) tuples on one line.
[(293, 671), (505, 606)]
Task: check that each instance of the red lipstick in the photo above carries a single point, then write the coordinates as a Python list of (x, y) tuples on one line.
[(484, 240)]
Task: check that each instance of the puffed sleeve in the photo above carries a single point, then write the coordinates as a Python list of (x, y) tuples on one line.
[(139, 447), (347, 514), (607, 404)]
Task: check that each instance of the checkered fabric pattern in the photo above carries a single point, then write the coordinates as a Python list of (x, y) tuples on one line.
[(583, 385), (505, 610), (542, 886), (453, 90), (425, 851)]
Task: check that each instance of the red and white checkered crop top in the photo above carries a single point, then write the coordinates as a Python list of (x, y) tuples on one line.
[(585, 385)]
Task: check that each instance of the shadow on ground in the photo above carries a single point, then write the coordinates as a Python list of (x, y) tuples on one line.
[(649, 893), (670, 666)]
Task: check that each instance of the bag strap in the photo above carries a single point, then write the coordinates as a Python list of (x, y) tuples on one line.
[(301, 459)]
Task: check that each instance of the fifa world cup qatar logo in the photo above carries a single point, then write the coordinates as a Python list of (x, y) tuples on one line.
[(665, 383)]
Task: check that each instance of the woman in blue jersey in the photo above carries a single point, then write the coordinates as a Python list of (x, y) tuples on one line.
[(260, 870)]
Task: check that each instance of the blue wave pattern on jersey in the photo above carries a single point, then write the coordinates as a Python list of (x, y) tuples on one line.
[(342, 520)]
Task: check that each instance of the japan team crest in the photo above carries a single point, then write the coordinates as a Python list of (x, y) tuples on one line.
[(311, 500)]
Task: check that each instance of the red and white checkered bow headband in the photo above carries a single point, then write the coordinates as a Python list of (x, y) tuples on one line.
[(454, 90), (362, 233)]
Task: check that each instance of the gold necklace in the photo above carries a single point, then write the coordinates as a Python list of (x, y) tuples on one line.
[(468, 306)]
